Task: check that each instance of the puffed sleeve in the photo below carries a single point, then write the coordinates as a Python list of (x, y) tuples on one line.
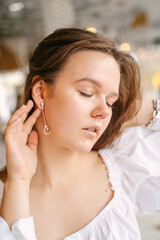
[(137, 152), (23, 229)]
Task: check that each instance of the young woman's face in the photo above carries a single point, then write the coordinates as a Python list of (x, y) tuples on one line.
[(79, 109)]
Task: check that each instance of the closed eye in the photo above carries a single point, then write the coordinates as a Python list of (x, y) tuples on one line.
[(109, 105), (90, 95), (85, 94)]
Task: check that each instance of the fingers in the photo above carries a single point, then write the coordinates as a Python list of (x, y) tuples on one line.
[(20, 114), (29, 106), (28, 125), (16, 125), (16, 116), (33, 141)]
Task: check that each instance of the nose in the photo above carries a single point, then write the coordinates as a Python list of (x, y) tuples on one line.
[(102, 110)]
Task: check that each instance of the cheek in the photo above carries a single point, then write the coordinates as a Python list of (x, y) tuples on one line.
[(67, 112), (106, 122)]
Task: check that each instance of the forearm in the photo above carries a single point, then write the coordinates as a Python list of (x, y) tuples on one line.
[(15, 202), (144, 115)]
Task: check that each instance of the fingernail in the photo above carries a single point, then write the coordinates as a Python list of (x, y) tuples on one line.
[(30, 102), (22, 106)]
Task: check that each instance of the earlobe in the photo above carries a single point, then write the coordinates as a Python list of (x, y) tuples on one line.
[(37, 92)]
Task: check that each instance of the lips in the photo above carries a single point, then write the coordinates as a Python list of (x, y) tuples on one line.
[(94, 129)]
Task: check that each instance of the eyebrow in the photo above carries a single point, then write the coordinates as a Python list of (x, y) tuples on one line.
[(96, 83)]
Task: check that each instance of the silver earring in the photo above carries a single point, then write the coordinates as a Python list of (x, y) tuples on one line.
[(46, 129)]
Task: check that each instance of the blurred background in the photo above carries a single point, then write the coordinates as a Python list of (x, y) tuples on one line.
[(134, 25)]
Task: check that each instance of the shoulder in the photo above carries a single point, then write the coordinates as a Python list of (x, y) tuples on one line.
[(137, 140), (137, 154)]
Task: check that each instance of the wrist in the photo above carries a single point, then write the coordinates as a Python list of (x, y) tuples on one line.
[(15, 181), (154, 122), (156, 112), (15, 202)]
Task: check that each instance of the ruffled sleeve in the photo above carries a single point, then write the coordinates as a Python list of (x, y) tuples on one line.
[(137, 152)]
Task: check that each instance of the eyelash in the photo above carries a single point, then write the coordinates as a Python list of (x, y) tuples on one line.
[(87, 95)]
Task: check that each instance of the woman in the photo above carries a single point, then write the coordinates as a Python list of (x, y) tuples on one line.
[(68, 168)]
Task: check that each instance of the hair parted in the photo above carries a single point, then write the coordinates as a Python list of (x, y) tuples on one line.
[(52, 54)]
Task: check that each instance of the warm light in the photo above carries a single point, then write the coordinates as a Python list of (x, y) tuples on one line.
[(15, 7), (125, 47), (91, 29), (156, 80)]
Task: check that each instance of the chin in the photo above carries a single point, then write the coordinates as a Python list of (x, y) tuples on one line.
[(83, 148)]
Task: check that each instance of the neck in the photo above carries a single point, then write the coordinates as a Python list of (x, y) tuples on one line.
[(57, 165)]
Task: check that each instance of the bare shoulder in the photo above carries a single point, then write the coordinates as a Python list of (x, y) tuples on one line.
[(95, 160)]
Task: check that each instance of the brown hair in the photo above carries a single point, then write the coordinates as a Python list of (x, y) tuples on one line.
[(51, 55)]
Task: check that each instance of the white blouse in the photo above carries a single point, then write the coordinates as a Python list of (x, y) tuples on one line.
[(133, 164)]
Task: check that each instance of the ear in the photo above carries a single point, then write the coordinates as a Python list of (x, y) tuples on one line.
[(38, 91)]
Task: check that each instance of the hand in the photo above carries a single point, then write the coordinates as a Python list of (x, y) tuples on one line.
[(21, 143)]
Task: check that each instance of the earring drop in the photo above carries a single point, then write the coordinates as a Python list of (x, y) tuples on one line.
[(46, 129)]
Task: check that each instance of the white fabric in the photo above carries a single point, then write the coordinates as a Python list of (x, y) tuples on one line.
[(23, 229), (133, 163)]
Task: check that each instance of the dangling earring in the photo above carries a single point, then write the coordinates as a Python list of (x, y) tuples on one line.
[(46, 129)]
